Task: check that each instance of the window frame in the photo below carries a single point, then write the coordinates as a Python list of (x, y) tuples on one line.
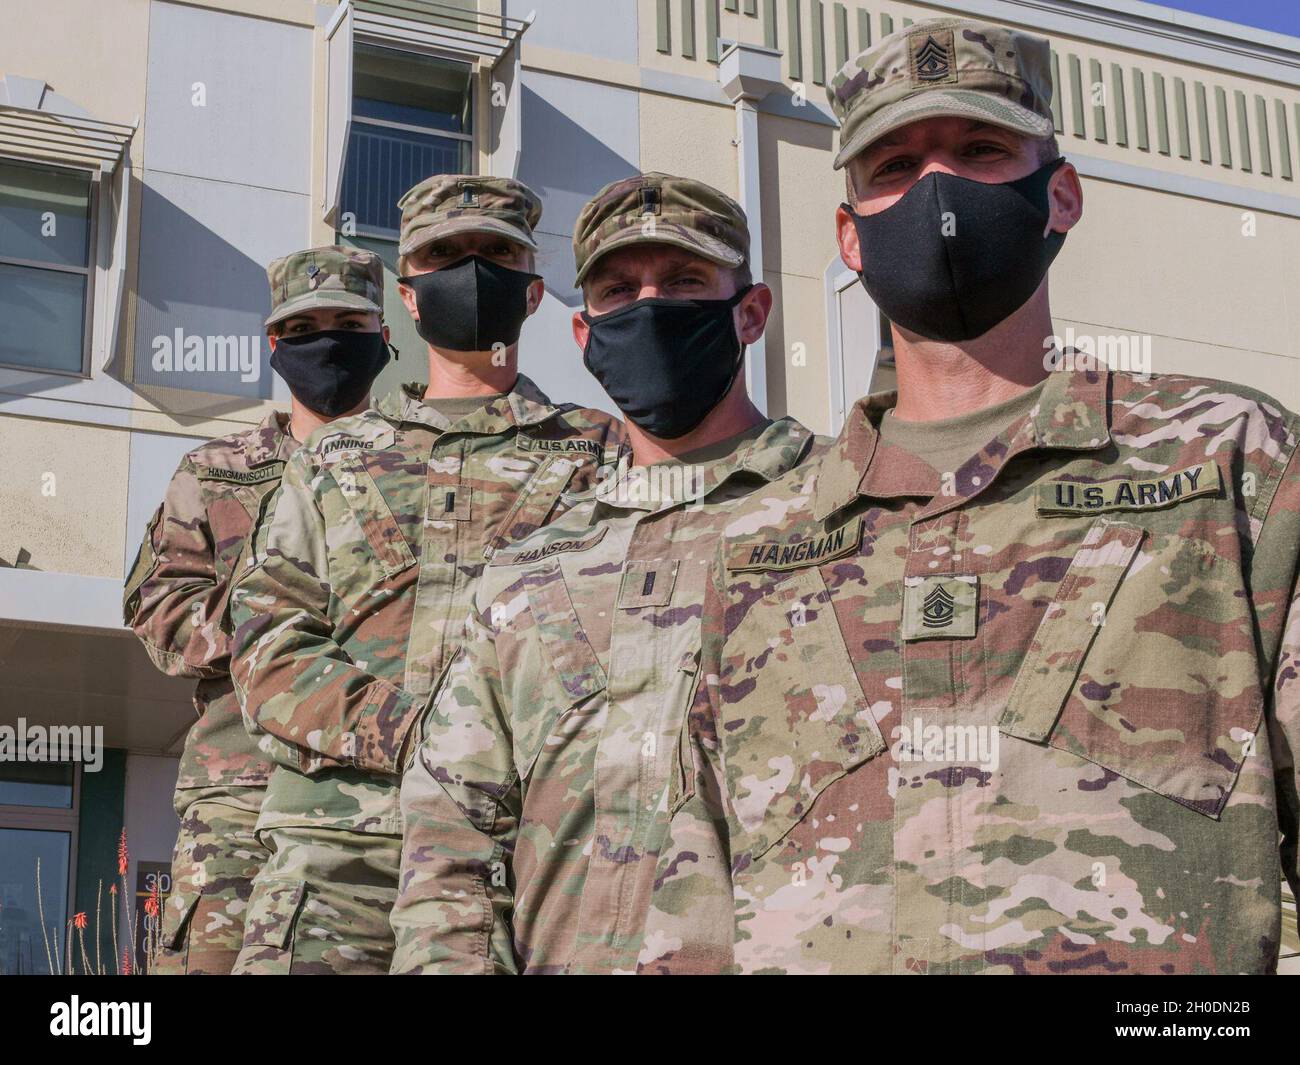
[(836, 279), (53, 819), (471, 138), (88, 271)]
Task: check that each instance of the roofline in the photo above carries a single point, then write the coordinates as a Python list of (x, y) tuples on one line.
[(1152, 29)]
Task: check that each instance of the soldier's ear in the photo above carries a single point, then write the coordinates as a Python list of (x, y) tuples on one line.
[(1065, 195), (408, 300), (271, 339), (581, 330), (752, 313), (846, 235), (536, 292)]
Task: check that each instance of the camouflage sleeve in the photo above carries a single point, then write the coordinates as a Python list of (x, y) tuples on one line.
[(1284, 741), (460, 814), (293, 680), (173, 600), (1276, 595)]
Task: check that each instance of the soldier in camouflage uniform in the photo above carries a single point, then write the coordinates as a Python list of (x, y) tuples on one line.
[(362, 579), (1014, 690), (551, 761), (175, 600)]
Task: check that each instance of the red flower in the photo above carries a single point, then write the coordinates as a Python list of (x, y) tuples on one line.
[(112, 889), (80, 920), (151, 906), (126, 962), (123, 858)]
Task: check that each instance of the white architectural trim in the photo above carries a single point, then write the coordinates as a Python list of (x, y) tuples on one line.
[(1151, 29), (35, 597)]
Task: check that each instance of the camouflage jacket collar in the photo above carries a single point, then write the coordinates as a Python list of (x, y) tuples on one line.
[(775, 451), (1072, 414), (525, 404), (270, 441)]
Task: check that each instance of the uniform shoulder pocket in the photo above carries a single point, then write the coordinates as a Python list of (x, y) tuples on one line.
[(145, 558), (803, 722)]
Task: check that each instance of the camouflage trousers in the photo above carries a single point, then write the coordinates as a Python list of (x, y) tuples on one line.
[(321, 903), (217, 856)]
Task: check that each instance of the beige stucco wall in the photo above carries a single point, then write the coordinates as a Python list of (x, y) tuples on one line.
[(1214, 301), (63, 496)]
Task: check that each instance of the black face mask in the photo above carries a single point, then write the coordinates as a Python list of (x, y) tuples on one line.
[(666, 363), (472, 305), (954, 257), (331, 371)]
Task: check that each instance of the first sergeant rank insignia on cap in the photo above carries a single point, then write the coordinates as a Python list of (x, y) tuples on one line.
[(932, 57)]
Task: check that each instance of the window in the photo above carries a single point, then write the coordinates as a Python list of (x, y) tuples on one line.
[(411, 117), (46, 222), (861, 346), (38, 822)]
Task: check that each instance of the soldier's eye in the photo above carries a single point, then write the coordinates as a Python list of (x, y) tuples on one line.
[(892, 167)]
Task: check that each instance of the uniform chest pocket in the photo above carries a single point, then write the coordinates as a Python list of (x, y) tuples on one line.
[(1144, 664), (574, 675), (803, 721), (378, 525), (534, 504)]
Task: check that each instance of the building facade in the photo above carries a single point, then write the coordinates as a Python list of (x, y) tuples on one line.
[(155, 155)]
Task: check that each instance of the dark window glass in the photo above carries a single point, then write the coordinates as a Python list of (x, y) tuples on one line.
[(410, 118)]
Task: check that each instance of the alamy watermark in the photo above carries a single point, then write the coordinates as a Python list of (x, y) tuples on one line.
[(660, 485), (199, 353), (917, 741), (53, 743), (1130, 353)]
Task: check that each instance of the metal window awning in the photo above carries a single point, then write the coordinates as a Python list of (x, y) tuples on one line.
[(439, 26), (50, 137)]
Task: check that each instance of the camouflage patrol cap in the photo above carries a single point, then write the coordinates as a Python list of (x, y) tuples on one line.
[(336, 277), (661, 209), (445, 204), (939, 68)]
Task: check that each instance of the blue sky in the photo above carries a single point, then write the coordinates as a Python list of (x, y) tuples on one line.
[(1280, 16)]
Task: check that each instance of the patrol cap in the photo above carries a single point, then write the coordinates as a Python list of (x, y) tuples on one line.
[(336, 277), (445, 204), (661, 209), (944, 67)]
